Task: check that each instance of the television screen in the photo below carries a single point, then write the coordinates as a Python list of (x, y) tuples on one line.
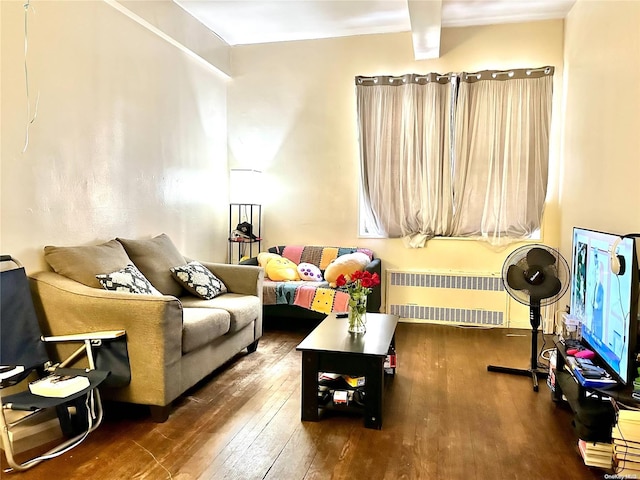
[(603, 301)]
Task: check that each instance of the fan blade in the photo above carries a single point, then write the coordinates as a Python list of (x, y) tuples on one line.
[(516, 278), (540, 256), (550, 287)]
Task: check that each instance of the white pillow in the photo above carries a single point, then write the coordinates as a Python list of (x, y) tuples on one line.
[(309, 272)]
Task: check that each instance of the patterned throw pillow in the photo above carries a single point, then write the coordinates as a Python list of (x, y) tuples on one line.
[(129, 279), (199, 280), (309, 272)]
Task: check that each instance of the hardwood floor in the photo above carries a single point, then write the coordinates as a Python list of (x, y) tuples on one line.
[(445, 417)]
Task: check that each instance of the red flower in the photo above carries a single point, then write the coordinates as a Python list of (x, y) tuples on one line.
[(358, 283), (357, 275)]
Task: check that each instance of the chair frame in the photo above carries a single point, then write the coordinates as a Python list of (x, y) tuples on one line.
[(95, 411), (88, 342)]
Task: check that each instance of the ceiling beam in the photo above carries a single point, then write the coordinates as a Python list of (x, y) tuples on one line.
[(426, 27), (173, 24)]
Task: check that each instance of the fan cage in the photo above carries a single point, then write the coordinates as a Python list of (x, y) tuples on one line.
[(519, 257)]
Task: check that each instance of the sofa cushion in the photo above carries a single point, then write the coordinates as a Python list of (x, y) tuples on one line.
[(200, 326), (128, 279), (243, 309), (154, 257), (83, 263), (198, 280)]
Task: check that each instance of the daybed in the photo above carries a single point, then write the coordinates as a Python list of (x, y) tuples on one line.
[(312, 300), (174, 338)]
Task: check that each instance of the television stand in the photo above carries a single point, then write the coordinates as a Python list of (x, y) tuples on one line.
[(593, 416)]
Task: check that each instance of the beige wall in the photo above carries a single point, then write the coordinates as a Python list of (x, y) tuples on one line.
[(601, 151), (129, 140), (292, 114)]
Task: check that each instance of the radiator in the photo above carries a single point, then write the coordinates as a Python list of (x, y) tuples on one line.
[(450, 297)]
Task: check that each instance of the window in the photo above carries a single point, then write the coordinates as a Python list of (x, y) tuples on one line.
[(456, 155)]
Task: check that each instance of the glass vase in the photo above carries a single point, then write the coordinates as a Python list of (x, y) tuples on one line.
[(358, 314)]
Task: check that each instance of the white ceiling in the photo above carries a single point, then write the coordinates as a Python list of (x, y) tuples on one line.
[(241, 22)]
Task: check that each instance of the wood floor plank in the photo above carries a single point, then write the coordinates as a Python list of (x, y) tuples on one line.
[(445, 416), (329, 436)]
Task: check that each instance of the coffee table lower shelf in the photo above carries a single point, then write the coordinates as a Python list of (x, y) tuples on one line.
[(372, 368), (329, 348)]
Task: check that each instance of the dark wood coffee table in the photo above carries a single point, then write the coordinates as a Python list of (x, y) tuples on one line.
[(331, 348)]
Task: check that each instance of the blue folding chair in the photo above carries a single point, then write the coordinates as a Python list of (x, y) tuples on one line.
[(23, 358)]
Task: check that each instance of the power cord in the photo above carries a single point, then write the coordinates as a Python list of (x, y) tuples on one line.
[(30, 118), (541, 354)]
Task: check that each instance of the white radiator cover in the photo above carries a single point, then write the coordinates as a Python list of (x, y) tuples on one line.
[(453, 297)]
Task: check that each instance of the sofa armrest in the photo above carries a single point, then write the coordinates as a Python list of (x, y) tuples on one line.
[(375, 266), (153, 325), (242, 279), (250, 261), (374, 301)]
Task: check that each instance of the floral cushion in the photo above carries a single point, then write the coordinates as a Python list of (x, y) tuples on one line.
[(128, 279), (199, 280)]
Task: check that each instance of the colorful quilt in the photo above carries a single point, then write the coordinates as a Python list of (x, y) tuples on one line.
[(315, 296)]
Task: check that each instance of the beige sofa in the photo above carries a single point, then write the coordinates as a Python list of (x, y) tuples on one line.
[(174, 338)]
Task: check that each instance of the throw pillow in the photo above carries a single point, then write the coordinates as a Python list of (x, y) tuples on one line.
[(154, 257), (309, 272), (199, 280), (345, 265), (265, 257), (83, 263), (281, 270), (128, 279)]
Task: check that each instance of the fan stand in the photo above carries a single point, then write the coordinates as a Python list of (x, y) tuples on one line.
[(534, 371)]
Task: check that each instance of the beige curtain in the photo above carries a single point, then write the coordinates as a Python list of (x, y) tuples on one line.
[(404, 126), (501, 153), (462, 155)]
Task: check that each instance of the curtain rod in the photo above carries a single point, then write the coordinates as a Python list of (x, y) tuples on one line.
[(513, 73), (404, 79), (434, 77)]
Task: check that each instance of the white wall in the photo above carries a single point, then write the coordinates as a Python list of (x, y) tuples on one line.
[(129, 140), (601, 152)]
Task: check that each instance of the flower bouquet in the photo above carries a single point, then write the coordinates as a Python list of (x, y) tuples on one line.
[(358, 285)]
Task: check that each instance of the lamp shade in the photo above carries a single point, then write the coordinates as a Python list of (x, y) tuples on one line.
[(245, 186)]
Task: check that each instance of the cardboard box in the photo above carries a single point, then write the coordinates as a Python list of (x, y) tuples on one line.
[(39, 429)]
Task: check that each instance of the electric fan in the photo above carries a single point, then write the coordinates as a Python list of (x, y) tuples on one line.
[(536, 276)]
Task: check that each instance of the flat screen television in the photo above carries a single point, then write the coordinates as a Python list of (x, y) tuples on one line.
[(606, 303)]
